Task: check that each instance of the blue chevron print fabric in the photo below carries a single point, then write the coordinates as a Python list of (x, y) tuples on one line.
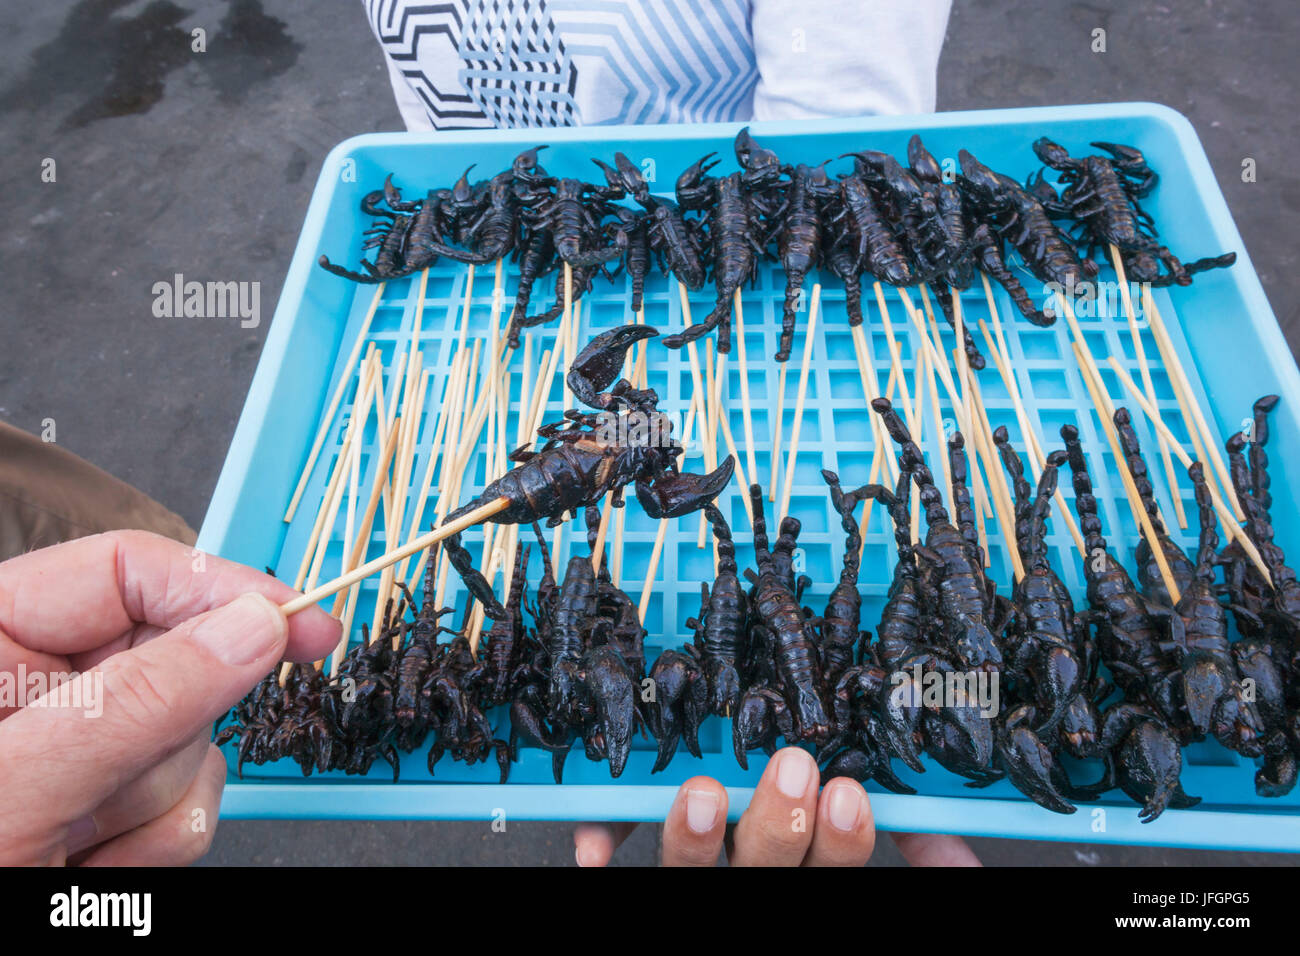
[(474, 64)]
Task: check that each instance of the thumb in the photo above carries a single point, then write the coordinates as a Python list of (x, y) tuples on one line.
[(63, 755)]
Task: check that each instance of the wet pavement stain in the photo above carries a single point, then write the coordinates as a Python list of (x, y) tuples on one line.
[(117, 65), (250, 48)]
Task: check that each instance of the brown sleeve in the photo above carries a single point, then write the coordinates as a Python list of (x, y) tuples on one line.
[(49, 495)]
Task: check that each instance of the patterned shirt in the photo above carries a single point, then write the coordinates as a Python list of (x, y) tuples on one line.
[(476, 64)]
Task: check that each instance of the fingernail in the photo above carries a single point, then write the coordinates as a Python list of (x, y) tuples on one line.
[(81, 833), (701, 810), (845, 808), (245, 630), (794, 772), (577, 855)]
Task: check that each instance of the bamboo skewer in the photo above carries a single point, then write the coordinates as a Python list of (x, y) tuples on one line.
[(746, 408), (1230, 525), (871, 389), (648, 588), (740, 470), (1001, 494), (478, 515), (1139, 352), (883, 453), (793, 455), (918, 387), (895, 358), (776, 429), (1036, 456), (1105, 408), (710, 428), (360, 402), (932, 343), (346, 376), (1187, 402), (1092, 380)]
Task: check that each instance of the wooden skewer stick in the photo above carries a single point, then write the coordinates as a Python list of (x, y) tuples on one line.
[(746, 408), (808, 342), (648, 587), (1139, 352), (1036, 457), (918, 387), (570, 332), (344, 378), (360, 404), (982, 434), (709, 431), (1230, 525), (1187, 402), (895, 357), (478, 515), (871, 389), (601, 530), (1094, 371), (1092, 380), (883, 453), (740, 470), (776, 429), (933, 343)]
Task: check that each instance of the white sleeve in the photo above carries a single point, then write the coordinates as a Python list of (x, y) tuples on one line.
[(846, 57), (414, 115)]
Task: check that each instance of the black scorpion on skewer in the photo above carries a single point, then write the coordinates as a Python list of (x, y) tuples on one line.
[(1212, 690), (777, 622), (1128, 627), (967, 602), (799, 236), (1102, 194), (578, 465), (1048, 650), (1017, 216), (720, 628)]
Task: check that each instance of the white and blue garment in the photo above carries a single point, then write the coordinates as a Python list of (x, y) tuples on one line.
[(478, 64)]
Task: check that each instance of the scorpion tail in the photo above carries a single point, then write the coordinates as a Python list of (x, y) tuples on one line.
[(1085, 502), (328, 266), (700, 329)]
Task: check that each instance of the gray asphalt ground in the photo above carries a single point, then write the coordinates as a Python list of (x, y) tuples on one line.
[(203, 164)]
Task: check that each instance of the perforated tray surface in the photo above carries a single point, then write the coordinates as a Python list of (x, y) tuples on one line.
[(1222, 327)]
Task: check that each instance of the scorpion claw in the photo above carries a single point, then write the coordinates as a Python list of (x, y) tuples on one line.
[(671, 496), (601, 362)]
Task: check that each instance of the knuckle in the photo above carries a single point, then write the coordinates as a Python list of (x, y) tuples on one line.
[(133, 696)]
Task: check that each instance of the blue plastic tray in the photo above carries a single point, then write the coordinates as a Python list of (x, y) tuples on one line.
[(1223, 326)]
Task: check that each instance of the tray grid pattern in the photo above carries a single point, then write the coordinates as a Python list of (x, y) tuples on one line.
[(835, 434)]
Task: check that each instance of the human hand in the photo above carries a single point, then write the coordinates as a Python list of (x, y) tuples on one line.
[(164, 644), (787, 823)]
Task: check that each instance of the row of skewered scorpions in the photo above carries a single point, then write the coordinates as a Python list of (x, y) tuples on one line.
[(1179, 679), (575, 674), (900, 224), (780, 671)]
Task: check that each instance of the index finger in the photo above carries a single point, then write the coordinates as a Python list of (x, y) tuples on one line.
[(78, 595)]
